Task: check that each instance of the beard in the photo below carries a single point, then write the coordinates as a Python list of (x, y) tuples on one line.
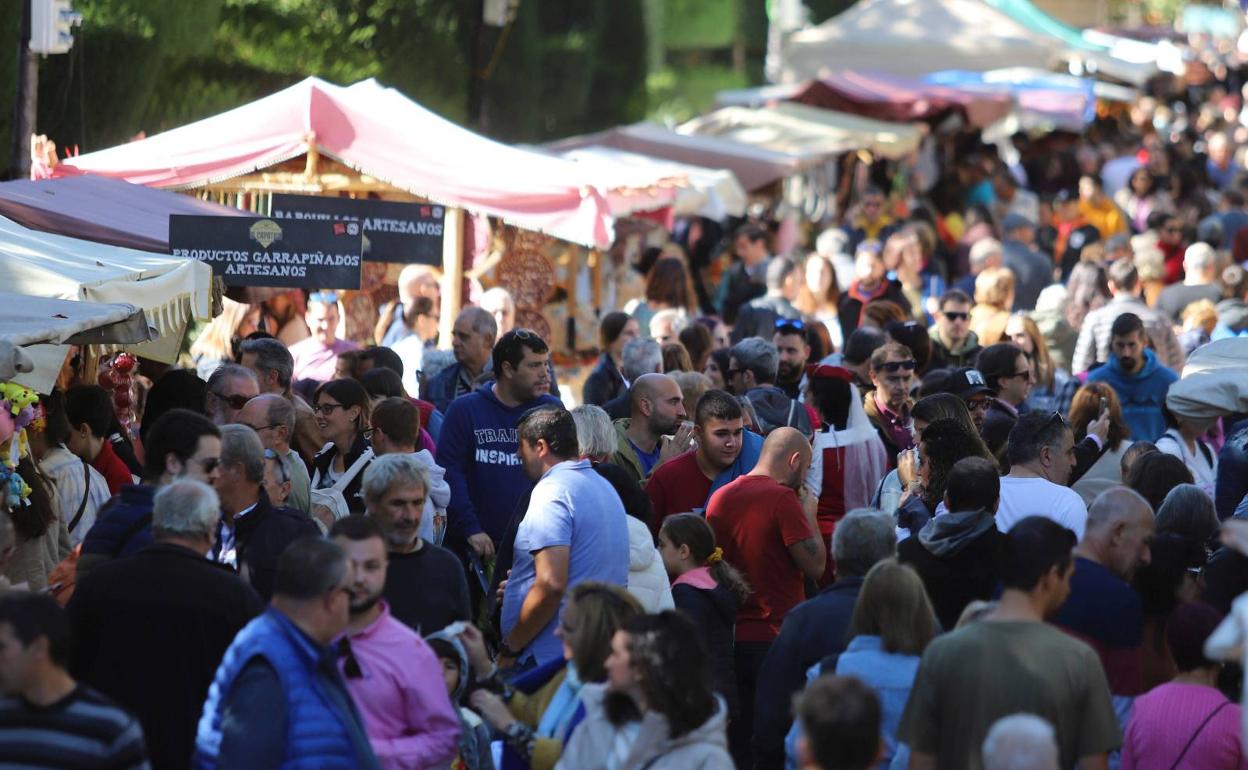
[(1127, 363), (788, 372), (359, 607)]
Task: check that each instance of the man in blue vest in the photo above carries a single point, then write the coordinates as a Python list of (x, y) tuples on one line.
[(277, 700)]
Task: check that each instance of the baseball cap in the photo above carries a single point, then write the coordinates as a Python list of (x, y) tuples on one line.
[(966, 382)]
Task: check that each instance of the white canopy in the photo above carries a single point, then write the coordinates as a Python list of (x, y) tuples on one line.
[(914, 37), (170, 291), (27, 321), (700, 191), (801, 130)]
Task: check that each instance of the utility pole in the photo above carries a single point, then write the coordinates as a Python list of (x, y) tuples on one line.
[(27, 100)]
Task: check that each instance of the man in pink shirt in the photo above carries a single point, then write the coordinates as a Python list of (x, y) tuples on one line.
[(393, 676), (317, 356)]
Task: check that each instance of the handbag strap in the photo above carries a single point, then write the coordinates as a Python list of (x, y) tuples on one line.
[(86, 495), (1196, 734), (350, 473)]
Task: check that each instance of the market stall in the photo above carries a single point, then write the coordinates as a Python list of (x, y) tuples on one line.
[(100, 209), (914, 37), (902, 99), (801, 130), (171, 292), (36, 328)]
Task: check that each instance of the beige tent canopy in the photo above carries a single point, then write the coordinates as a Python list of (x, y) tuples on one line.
[(797, 129)]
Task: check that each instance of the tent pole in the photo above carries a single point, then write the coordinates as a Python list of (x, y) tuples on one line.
[(452, 274)]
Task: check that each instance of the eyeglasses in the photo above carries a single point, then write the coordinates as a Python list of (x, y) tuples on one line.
[(893, 367), (327, 408), (350, 667), (258, 428), (790, 325), (952, 316), (236, 401)]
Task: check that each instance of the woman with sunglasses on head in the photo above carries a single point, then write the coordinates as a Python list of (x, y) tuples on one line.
[(342, 410), (1053, 388), (536, 712), (1089, 403)]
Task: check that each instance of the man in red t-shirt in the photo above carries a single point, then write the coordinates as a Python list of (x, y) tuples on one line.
[(769, 533), (90, 412), (684, 484)]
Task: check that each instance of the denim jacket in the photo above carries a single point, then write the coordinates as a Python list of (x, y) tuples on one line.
[(890, 675)]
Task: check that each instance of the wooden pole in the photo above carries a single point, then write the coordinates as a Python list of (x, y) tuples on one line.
[(452, 274)]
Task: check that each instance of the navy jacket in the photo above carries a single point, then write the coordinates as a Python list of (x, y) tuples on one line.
[(262, 535), (812, 630), (1232, 470), (124, 525)]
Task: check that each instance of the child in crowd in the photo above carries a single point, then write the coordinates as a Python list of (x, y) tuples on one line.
[(707, 589), (474, 738)]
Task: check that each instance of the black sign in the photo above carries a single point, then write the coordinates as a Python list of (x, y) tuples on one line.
[(269, 252), (393, 232)]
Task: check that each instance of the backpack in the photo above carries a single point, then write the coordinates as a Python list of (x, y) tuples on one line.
[(330, 504)]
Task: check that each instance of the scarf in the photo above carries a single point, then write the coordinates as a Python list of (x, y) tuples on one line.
[(558, 715), (864, 296)]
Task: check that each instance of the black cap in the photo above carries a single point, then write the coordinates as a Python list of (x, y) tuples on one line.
[(966, 382)]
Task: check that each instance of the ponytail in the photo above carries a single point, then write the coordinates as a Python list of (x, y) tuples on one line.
[(691, 529)]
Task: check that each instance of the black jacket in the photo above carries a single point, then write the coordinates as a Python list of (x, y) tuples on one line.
[(714, 612), (262, 535), (954, 579), (149, 631), (619, 407), (325, 458), (738, 289), (812, 630), (604, 383), (1232, 482)]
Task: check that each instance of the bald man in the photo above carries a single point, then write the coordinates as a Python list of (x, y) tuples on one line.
[(1102, 609), (414, 281), (273, 419), (765, 522), (657, 429)]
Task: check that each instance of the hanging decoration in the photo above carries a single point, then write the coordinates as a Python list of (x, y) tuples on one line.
[(19, 410)]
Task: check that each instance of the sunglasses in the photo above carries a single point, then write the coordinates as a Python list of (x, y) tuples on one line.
[(790, 325), (324, 297), (1026, 373), (235, 401), (979, 404), (327, 408), (955, 316), (893, 367), (368, 434), (1056, 417), (210, 464), (350, 667)]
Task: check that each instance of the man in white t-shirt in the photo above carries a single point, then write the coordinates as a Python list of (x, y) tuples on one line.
[(1042, 453)]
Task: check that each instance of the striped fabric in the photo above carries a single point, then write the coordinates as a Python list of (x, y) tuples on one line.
[(64, 470), (82, 731)]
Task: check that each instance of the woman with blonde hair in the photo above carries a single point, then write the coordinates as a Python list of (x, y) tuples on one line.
[(1054, 387), (218, 342), (994, 296), (893, 623)]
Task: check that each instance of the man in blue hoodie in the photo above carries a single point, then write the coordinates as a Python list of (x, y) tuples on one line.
[(1134, 373), (478, 444)]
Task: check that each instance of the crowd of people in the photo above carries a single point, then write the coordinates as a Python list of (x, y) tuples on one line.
[(932, 492)]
